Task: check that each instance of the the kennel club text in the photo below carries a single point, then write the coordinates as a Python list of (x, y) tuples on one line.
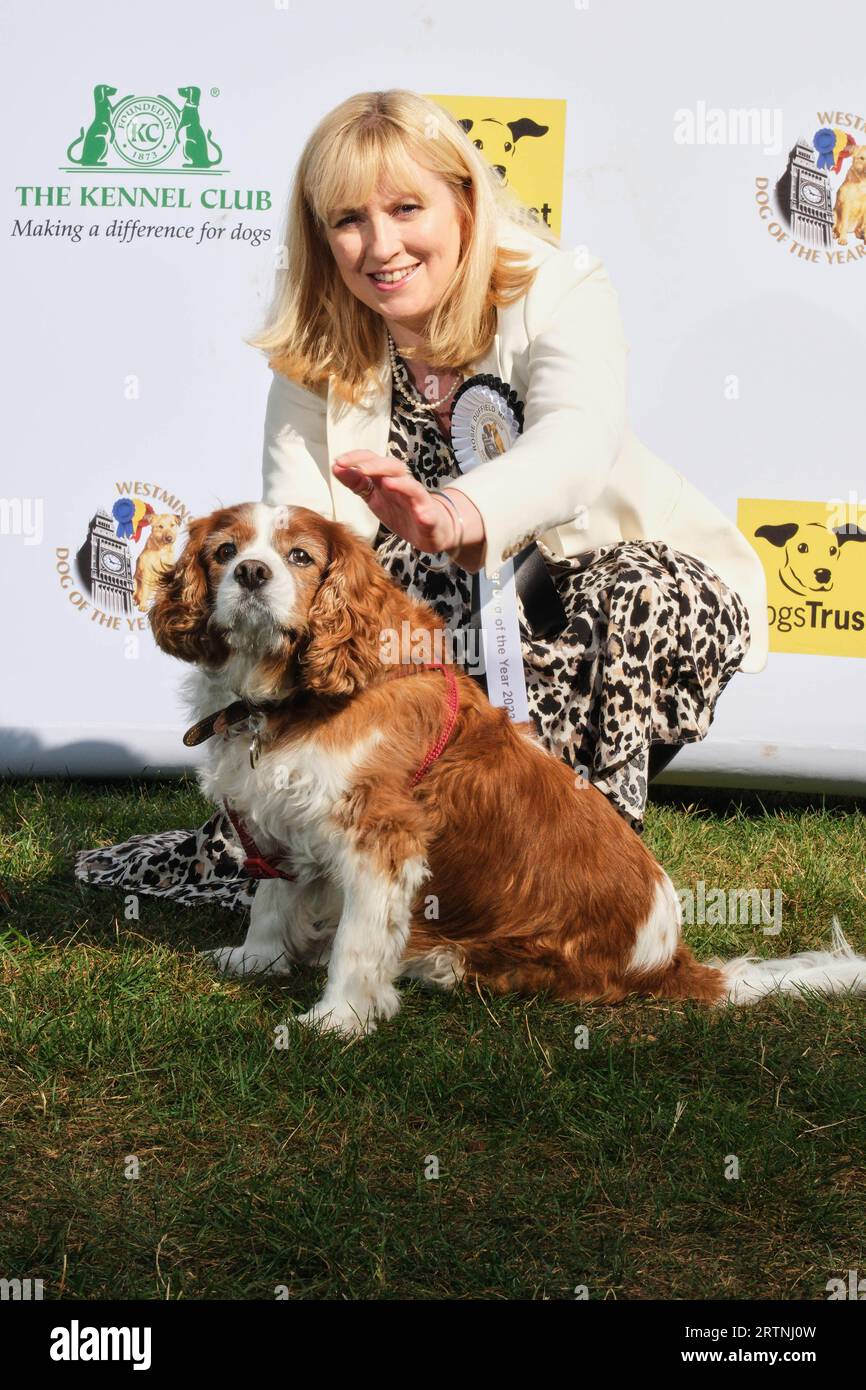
[(107, 195)]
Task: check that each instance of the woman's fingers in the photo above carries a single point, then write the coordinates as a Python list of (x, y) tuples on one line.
[(352, 478), (402, 483), (358, 468), (417, 497), (374, 465), (397, 497)]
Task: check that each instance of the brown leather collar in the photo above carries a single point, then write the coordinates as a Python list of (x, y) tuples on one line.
[(222, 719)]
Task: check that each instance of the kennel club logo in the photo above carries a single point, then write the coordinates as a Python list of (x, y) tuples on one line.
[(814, 558), (141, 152), (111, 578), (145, 132), (821, 195)]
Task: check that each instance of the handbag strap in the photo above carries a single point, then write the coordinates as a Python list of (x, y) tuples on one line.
[(542, 606)]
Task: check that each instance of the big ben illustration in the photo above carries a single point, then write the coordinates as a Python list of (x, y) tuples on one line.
[(110, 567), (811, 202)]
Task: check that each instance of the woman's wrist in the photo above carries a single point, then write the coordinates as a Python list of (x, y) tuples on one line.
[(473, 544), (452, 546)]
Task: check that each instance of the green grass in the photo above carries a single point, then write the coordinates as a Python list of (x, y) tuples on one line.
[(305, 1167)]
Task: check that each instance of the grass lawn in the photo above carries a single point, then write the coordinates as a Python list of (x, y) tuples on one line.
[(306, 1167)]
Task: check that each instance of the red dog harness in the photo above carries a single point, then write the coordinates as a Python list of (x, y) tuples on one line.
[(256, 864)]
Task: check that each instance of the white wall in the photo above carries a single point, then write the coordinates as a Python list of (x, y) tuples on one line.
[(704, 291)]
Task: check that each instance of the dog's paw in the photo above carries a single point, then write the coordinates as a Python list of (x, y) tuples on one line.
[(338, 1018), (236, 961), (350, 1019)]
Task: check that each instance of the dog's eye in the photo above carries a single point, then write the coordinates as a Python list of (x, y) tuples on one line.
[(225, 551), (832, 550), (299, 557), (803, 548)]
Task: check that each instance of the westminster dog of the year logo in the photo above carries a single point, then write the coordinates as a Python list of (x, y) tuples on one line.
[(144, 132), (820, 197), (130, 540)]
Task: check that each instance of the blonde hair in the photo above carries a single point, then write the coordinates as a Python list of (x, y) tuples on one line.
[(316, 326)]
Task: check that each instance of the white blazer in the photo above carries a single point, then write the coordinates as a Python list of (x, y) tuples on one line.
[(577, 477)]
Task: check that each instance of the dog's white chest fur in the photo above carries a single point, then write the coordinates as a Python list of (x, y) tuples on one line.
[(288, 800)]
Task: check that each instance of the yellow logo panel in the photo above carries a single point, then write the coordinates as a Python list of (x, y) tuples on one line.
[(814, 557), (524, 140)]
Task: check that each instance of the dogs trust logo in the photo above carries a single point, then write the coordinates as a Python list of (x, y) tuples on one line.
[(523, 141), (816, 572), (145, 132), (112, 577), (821, 195)]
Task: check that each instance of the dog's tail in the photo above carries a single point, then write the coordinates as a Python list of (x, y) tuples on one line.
[(837, 971), (77, 141), (747, 979), (662, 965)]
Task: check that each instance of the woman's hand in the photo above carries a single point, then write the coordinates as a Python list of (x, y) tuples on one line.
[(409, 509)]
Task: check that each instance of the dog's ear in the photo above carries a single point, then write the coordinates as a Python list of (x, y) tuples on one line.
[(778, 535), (180, 613), (849, 533), (526, 126), (345, 618)]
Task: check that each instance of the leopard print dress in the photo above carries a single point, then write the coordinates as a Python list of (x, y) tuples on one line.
[(652, 638)]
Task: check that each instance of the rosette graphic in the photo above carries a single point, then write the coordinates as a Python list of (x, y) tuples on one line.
[(131, 515), (486, 419), (832, 146)]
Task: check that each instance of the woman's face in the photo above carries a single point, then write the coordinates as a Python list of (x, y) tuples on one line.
[(396, 233)]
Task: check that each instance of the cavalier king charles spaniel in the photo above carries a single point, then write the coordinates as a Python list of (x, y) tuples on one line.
[(401, 826)]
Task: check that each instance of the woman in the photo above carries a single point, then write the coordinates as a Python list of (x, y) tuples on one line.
[(411, 267)]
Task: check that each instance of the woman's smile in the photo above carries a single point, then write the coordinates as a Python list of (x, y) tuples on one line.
[(396, 278)]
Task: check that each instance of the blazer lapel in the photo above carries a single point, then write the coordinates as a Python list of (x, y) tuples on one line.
[(367, 426)]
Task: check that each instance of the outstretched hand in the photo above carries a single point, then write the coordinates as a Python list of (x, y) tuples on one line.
[(404, 505)]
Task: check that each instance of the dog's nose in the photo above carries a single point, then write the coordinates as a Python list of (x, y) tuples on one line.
[(822, 576), (252, 574)]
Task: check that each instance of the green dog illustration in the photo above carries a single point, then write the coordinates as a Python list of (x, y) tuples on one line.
[(99, 132), (193, 141)]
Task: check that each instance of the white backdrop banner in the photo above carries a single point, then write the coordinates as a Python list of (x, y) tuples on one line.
[(144, 181)]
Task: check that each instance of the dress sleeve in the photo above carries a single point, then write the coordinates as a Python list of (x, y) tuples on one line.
[(295, 423), (574, 415)]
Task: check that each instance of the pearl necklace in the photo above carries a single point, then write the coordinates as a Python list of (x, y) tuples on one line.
[(416, 399)]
